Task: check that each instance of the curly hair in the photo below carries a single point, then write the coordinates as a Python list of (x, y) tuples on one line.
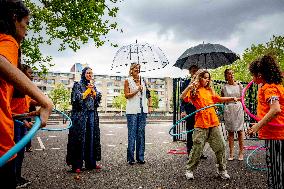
[(9, 11), (268, 68)]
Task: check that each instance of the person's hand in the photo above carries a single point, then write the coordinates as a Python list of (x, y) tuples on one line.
[(140, 88), (28, 124), (237, 99), (150, 109), (183, 114), (45, 112), (253, 129), (94, 92), (90, 85), (194, 84)]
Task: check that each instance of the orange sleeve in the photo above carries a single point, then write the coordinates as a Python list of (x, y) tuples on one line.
[(187, 97), (28, 102), (9, 48), (270, 92), (216, 98)]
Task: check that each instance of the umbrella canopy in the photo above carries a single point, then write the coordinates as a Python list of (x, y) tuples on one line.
[(150, 57), (206, 56)]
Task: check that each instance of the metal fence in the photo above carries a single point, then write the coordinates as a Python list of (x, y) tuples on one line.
[(250, 100)]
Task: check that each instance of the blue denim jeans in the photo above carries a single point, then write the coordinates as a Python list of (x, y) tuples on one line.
[(136, 134)]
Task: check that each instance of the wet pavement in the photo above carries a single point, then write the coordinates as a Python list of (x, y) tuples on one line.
[(46, 166)]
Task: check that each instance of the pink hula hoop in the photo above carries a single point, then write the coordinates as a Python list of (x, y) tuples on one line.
[(248, 112)]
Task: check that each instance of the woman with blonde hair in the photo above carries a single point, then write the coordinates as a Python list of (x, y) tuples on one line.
[(206, 129), (138, 105)]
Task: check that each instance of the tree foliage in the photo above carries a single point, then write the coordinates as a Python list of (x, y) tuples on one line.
[(60, 97), (119, 101), (70, 23), (275, 46), (155, 99)]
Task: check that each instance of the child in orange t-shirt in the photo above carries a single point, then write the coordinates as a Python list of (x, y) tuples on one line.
[(206, 125), (14, 18), (270, 108)]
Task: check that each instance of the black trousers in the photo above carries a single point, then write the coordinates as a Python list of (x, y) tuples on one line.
[(8, 175), (190, 121), (275, 163)]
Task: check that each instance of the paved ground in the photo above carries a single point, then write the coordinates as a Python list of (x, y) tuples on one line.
[(46, 167)]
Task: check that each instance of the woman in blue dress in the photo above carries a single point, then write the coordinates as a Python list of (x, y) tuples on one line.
[(84, 136)]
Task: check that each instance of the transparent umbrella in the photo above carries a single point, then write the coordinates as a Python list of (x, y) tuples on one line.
[(150, 58)]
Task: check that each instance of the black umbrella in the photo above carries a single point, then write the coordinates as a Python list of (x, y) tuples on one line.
[(208, 56)]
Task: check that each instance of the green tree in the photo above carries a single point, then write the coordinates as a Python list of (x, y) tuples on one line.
[(70, 23), (60, 97), (275, 46), (155, 99), (119, 101)]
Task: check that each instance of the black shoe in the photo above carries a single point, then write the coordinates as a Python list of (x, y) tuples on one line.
[(131, 162), (203, 156), (22, 182), (141, 162)]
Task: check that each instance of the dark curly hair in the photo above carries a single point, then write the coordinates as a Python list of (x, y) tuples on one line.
[(268, 68), (9, 11)]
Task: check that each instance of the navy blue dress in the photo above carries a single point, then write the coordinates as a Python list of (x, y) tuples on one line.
[(84, 135)]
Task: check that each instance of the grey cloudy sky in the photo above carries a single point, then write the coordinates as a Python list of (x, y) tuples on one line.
[(175, 25)]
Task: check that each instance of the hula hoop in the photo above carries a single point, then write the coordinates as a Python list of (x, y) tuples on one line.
[(57, 129), (221, 105), (248, 112), (253, 166), (22, 143)]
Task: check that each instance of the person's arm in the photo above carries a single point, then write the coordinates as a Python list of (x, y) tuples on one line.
[(229, 99), (273, 112), (19, 80), (127, 92), (185, 91)]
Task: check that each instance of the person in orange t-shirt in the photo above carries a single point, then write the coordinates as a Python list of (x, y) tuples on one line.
[(14, 18), (270, 108), (20, 104), (206, 125)]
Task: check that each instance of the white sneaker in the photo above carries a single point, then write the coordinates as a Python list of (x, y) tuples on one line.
[(189, 175), (217, 166), (224, 175)]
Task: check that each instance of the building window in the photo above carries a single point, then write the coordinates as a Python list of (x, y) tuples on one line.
[(50, 81), (109, 84), (65, 82), (118, 78)]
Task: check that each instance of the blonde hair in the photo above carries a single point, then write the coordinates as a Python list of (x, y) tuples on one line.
[(132, 66), (195, 82)]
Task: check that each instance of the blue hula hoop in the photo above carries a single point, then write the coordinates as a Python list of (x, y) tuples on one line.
[(253, 167), (22, 143), (57, 129), (206, 107)]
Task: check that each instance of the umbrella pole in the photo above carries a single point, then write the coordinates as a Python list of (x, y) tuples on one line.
[(205, 61)]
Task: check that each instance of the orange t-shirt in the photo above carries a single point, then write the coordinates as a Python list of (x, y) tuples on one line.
[(20, 105), (208, 117), (8, 49), (264, 95)]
